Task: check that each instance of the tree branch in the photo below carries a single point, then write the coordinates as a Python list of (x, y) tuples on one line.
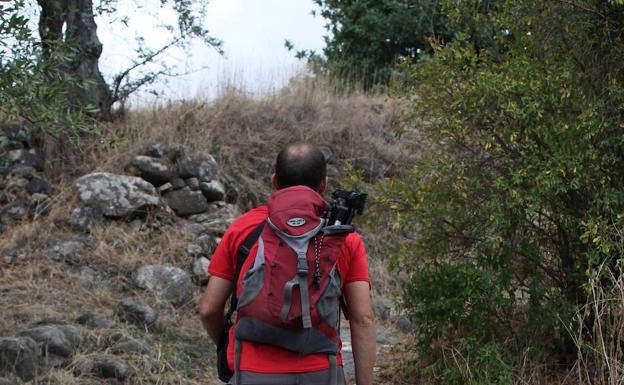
[(147, 59)]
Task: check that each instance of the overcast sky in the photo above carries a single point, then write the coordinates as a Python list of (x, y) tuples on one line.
[(253, 32)]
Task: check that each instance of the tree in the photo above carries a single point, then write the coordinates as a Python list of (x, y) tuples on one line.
[(68, 51), (518, 203), (367, 37)]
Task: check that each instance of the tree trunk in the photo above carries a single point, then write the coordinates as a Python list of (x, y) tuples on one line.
[(87, 86)]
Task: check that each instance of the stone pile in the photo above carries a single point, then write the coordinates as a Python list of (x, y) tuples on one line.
[(190, 185), (23, 192)]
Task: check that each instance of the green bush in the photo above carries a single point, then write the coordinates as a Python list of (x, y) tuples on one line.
[(523, 167), (367, 37)]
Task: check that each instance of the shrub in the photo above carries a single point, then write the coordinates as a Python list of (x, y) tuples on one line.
[(523, 168)]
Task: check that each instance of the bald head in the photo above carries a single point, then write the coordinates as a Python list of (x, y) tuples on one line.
[(300, 164)]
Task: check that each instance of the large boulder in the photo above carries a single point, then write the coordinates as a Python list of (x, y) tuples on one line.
[(167, 282), (18, 356), (114, 195), (154, 170), (185, 202)]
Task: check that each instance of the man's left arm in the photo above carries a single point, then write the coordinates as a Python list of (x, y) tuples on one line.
[(212, 306), (362, 324)]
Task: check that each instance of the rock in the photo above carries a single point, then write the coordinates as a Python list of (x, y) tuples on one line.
[(193, 250), (385, 336), (165, 188), (8, 381), (203, 168), (200, 270), (231, 194), (38, 185), (155, 150), (231, 189), (103, 366), (133, 311), (167, 282), (19, 356), (213, 190), (110, 368), (55, 340), (219, 226), (23, 171), (166, 310), (26, 157), (382, 307), (327, 153), (176, 152), (38, 198), (185, 202), (193, 183), (196, 229), (131, 346), (137, 225), (116, 196), (13, 254), (4, 199), (18, 134), (89, 279), (404, 324), (153, 170), (83, 218), (4, 144), (93, 322), (208, 244), (66, 250), (217, 210), (178, 183), (13, 213)]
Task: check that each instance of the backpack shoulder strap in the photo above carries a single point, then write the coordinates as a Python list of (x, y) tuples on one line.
[(241, 256)]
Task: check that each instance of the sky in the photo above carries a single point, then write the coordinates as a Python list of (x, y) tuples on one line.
[(253, 34)]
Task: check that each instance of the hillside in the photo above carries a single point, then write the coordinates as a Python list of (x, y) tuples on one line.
[(110, 294)]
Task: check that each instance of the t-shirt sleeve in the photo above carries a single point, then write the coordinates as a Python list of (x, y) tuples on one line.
[(358, 260), (221, 262), (224, 258)]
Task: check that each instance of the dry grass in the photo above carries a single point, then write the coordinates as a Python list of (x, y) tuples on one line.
[(244, 134)]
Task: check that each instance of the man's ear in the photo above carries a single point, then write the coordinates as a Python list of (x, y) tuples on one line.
[(274, 182), (323, 186)]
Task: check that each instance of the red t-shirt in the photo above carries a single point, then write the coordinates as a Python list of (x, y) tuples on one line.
[(256, 357)]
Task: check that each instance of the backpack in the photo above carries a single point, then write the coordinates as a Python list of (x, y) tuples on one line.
[(292, 291)]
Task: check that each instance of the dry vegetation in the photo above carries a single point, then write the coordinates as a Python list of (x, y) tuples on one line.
[(243, 134)]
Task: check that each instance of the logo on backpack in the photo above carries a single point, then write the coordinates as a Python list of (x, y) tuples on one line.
[(296, 222)]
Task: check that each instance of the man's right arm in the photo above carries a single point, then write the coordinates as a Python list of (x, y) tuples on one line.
[(362, 324), (212, 306)]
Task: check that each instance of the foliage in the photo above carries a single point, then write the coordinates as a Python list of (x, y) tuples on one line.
[(522, 175), (367, 37), (26, 92)]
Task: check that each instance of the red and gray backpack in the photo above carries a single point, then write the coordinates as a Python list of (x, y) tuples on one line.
[(292, 291)]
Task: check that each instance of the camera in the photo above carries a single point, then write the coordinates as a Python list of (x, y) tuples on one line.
[(346, 204)]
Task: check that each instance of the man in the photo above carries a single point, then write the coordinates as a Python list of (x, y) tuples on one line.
[(297, 165)]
